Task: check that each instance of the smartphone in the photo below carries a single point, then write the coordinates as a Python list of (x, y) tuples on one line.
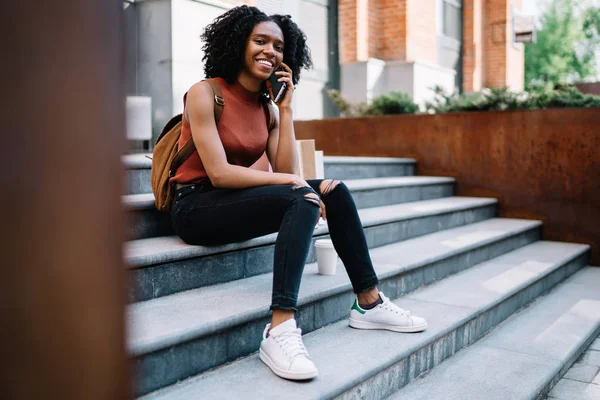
[(278, 88)]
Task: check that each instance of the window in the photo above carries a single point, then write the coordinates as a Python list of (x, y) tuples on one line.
[(452, 19)]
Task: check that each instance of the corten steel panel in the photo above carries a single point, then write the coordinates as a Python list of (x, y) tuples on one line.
[(542, 164)]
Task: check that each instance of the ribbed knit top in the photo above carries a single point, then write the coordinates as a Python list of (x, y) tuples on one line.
[(242, 129)]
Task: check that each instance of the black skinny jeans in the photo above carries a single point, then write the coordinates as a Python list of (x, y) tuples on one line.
[(204, 215)]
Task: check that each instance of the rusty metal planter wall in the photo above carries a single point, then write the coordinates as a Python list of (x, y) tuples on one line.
[(542, 164)]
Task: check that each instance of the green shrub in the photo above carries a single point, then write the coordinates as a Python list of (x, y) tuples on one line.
[(535, 97), (394, 103), (346, 108)]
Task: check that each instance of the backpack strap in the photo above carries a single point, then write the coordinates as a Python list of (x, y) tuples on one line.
[(188, 148)]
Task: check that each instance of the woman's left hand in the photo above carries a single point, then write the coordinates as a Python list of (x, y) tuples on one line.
[(285, 77)]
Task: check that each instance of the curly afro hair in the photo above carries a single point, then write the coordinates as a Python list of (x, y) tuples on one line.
[(225, 42)]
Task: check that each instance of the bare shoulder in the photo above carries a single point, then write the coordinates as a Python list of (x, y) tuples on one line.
[(199, 100)]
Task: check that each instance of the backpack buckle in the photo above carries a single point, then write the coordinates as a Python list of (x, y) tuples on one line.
[(219, 100)]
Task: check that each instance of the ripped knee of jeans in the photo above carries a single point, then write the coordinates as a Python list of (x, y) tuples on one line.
[(313, 198), (328, 185)]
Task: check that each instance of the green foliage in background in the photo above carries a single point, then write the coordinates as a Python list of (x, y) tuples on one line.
[(391, 103), (536, 97), (394, 103), (564, 50)]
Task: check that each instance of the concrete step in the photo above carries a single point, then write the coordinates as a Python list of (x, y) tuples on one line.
[(367, 167), (138, 166), (526, 355), (374, 364), (165, 265), (146, 221), (183, 334)]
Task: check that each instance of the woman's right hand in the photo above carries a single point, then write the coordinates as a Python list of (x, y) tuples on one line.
[(297, 182), (291, 179)]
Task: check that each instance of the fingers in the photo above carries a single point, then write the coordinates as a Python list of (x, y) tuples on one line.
[(323, 210)]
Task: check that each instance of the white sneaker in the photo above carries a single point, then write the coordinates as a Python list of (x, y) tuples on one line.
[(385, 316), (284, 352)]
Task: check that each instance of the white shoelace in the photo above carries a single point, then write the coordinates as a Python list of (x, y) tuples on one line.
[(291, 342), (388, 305)]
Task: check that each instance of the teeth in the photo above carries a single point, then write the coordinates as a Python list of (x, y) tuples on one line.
[(265, 63)]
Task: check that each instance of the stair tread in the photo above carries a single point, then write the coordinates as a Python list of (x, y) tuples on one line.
[(141, 160), (160, 322), (146, 200), (347, 357), (530, 348), (156, 250), (367, 160)]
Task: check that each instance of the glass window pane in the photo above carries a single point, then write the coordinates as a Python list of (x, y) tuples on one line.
[(452, 21)]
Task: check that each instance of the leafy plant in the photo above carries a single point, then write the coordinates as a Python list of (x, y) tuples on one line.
[(541, 96), (564, 50), (391, 103), (394, 103), (346, 108), (537, 96)]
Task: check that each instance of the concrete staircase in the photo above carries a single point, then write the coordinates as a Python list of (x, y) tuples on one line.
[(197, 313)]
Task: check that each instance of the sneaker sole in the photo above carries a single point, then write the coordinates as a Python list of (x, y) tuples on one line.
[(375, 325), (302, 376)]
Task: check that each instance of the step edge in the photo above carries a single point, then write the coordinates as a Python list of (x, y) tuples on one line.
[(145, 201), (406, 353), (136, 262), (238, 319), (130, 162), (563, 363)]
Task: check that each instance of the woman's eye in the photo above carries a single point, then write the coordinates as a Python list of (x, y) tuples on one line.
[(279, 48), (260, 41)]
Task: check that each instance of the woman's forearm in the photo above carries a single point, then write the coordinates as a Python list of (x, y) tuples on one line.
[(238, 177), (286, 159)]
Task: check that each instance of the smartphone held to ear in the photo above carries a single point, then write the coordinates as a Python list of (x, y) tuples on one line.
[(278, 88)]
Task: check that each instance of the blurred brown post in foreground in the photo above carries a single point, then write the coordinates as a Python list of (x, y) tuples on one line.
[(62, 290)]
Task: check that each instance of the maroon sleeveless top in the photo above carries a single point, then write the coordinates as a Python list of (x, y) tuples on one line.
[(242, 129)]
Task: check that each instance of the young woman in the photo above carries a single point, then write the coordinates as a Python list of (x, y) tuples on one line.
[(221, 200)]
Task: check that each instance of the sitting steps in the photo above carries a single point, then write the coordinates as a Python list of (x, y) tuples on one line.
[(373, 364), (197, 313)]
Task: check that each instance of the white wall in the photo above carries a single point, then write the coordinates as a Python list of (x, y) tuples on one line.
[(361, 81)]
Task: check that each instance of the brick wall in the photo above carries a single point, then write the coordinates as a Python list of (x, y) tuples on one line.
[(347, 17), (394, 38), (388, 29), (490, 59), (473, 45), (421, 36), (495, 34), (406, 30)]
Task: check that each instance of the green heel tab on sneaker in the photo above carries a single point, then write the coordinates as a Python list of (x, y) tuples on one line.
[(356, 307)]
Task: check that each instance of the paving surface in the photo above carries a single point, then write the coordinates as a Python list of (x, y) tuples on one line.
[(582, 380)]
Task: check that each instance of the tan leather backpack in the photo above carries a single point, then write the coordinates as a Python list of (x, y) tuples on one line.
[(167, 156)]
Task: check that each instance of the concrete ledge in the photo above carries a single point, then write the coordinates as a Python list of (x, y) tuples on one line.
[(527, 354), (141, 161), (374, 364), (219, 319), (367, 160), (145, 252), (166, 265), (147, 222), (138, 166), (145, 201)]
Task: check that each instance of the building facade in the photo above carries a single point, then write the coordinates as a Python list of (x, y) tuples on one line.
[(362, 47)]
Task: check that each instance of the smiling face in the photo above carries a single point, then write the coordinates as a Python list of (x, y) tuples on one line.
[(264, 51)]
